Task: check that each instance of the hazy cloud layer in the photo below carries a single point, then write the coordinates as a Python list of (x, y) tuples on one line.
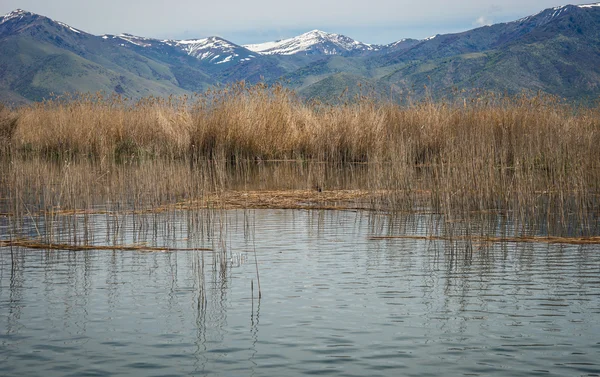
[(373, 21)]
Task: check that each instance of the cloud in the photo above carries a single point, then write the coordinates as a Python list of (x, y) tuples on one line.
[(483, 21)]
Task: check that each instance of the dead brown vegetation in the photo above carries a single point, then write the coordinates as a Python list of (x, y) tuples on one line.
[(533, 160)]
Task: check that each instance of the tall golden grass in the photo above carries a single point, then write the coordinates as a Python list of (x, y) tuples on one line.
[(260, 122), (532, 159)]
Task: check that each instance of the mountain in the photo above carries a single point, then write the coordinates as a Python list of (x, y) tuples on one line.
[(215, 50), (556, 51), (211, 50), (492, 37), (40, 56), (314, 42)]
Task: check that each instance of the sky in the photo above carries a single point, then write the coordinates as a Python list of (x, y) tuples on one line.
[(245, 21)]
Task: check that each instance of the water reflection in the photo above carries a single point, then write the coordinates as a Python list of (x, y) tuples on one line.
[(334, 302)]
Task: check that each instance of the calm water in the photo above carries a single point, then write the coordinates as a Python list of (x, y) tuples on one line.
[(333, 303)]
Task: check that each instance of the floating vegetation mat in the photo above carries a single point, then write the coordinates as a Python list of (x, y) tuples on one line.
[(285, 199), (486, 239), (35, 244)]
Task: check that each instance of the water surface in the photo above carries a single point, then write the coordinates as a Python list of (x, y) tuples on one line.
[(333, 303)]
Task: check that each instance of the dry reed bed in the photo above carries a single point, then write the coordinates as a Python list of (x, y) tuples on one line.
[(534, 158), (267, 123)]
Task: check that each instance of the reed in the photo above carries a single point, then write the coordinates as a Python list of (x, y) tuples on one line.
[(8, 124), (533, 161)]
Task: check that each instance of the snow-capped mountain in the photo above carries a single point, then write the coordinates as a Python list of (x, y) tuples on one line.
[(18, 13), (212, 50), (21, 18), (215, 50), (551, 13), (314, 42)]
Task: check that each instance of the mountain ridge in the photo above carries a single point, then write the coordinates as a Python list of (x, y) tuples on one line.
[(556, 50), (311, 42)]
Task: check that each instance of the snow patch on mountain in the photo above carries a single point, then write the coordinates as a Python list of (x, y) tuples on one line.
[(18, 13), (68, 27), (315, 40), (397, 42), (589, 5), (133, 39)]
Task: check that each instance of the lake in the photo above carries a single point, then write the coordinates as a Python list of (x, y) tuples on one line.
[(333, 301)]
